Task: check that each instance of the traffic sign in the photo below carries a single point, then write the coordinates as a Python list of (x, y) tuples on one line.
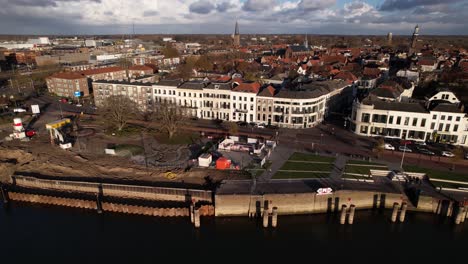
[(35, 109)]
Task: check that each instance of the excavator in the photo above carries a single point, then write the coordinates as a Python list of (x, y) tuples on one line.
[(58, 131)]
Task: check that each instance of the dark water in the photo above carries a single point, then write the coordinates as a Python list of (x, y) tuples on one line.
[(33, 234)]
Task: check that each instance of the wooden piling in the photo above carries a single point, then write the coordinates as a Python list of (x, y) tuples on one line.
[(265, 218), (98, 204), (4, 194), (192, 217), (404, 207), (450, 209), (196, 213), (343, 214), (352, 209), (460, 214), (395, 212), (274, 217)]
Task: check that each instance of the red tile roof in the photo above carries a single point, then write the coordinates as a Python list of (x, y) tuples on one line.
[(68, 75), (140, 68), (248, 87), (371, 72), (101, 70)]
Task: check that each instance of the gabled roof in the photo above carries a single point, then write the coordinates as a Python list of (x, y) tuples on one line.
[(371, 72), (446, 107), (101, 70), (140, 68), (268, 91), (253, 87), (68, 75), (346, 76)]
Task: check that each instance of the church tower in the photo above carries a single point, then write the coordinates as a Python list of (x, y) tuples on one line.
[(306, 42), (236, 38), (414, 39)]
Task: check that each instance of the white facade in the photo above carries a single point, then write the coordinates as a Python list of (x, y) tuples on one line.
[(243, 106), (418, 125), (445, 95)]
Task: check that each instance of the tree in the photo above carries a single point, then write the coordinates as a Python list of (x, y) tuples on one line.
[(170, 52), (118, 109), (458, 152), (124, 63), (233, 129), (170, 116), (204, 63), (379, 147)]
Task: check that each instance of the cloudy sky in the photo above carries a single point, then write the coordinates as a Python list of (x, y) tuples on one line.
[(219, 16)]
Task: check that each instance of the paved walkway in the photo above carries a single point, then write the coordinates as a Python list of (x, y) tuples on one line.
[(279, 156), (339, 167)]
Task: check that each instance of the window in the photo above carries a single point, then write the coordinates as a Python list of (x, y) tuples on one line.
[(364, 118), (442, 117), (455, 128), (423, 122), (434, 116), (457, 119), (447, 127), (245, 99), (234, 97), (432, 126), (406, 121), (415, 121), (449, 118), (364, 129), (390, 120), (440, 127), (398, 120), (251, 99)]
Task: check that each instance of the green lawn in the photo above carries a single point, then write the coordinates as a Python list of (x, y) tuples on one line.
[(307, 166), (347, 176), (311, 157), (438, 174), (448, 185), (363, 162), (299, 175), (350, 168)]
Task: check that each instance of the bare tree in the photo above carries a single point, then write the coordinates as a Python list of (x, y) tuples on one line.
[(118, 109), (233, 129), (170, 116), (379, 147), (458, 152)]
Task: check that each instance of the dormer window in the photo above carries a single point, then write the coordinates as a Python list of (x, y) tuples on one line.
[(216, 86)]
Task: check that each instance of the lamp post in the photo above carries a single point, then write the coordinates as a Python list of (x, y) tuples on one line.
[(403, 156)]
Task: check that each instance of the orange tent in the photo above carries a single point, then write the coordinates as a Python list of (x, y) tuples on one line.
[(222, 163)]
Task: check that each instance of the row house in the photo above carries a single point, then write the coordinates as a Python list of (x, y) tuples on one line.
[(440, 122), (140, 93)]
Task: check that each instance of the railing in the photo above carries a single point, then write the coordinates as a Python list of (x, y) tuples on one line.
[(120, 190)]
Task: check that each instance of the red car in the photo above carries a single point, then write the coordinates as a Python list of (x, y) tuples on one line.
[(30, 133), (407, 142)]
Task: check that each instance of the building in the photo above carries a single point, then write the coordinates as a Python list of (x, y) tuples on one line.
[(139, 70), (420, 121), (139, 92), (236, 37), (39, 41), (65, 84)]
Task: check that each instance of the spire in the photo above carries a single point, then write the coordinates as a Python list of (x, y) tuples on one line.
[(236, 30), (306, 41), (416, 30)]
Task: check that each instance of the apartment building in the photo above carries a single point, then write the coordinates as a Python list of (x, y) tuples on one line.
[(237, 100), (67, 83), (139, 92), (420, 121)]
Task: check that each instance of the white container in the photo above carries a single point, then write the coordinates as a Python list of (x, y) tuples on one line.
[(17, 124), (204, 160)]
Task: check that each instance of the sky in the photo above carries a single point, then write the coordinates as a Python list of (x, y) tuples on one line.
[(350, 17)]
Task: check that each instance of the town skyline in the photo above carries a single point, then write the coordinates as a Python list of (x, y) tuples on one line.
[(93, 17)]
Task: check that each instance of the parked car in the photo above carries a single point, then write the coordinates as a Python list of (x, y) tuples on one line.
[(405, 149), (426, 151), (79, 105), (261, 125), (19, 110), (242, 123), (420, 143), (388, 146), (447, 154), (272, 126)]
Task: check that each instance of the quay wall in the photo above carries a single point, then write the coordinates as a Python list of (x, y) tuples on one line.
[(117, 190), (307, 203), (205, 210)]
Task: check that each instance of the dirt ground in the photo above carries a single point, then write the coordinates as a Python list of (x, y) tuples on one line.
[(39, 158)]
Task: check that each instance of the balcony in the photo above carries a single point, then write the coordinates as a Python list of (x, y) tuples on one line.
[(241, 111)]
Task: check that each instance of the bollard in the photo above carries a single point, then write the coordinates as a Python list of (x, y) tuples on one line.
[(466, 213), (265, 217), (343, 214), (352, 209), (196, 215), (404, 206), (98, 204), (395, 212), (459, 215), (4, 194), (462, 220), (450, 209), (274, 217), (192, 217)]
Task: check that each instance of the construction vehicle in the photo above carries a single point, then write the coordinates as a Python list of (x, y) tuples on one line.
[(19, 132), (59, 133)]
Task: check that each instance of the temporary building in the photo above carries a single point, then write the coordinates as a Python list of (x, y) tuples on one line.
[(204, 160), (222, 163)]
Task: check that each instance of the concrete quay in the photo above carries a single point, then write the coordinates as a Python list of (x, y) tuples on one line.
[(246, 198)]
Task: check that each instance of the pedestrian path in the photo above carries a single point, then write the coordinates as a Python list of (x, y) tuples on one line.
[(279, 156), (339, 167)]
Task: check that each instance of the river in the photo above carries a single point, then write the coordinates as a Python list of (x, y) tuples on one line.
[(41, 234)]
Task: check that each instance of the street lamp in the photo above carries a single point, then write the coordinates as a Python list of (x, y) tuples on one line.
[(403, 156)]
